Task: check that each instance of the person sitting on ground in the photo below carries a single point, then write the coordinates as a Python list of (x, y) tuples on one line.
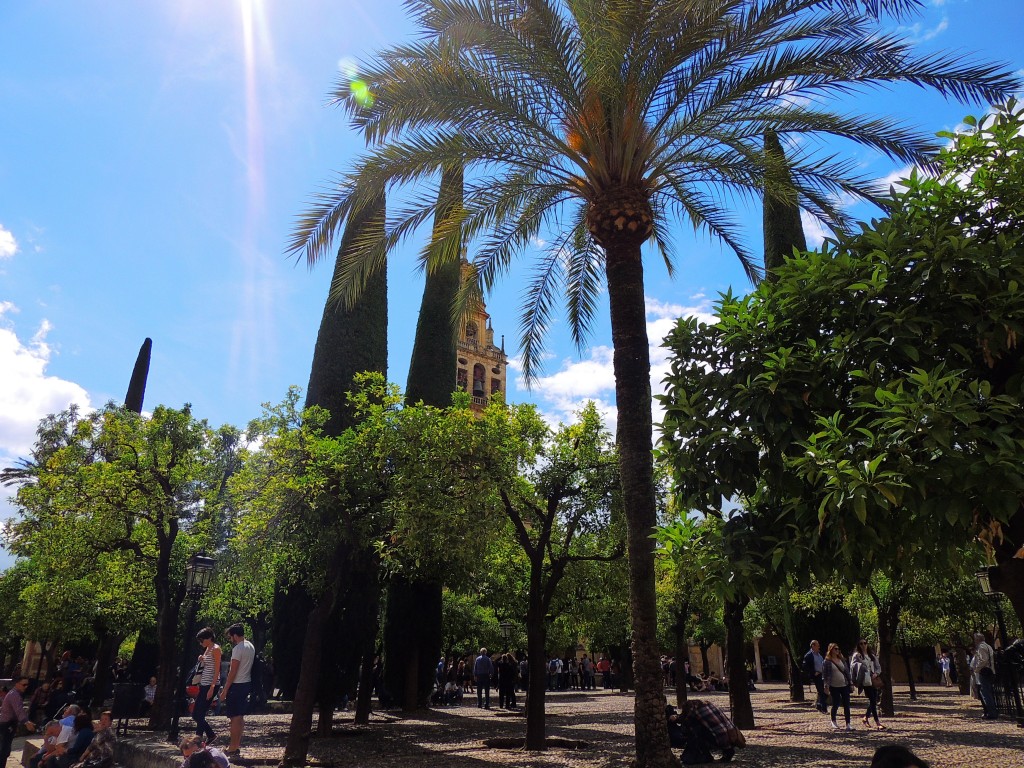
[(192, 746), (148, 697), (711, 725), (50, 733), (100, 752), (70, 752), (896, 756)]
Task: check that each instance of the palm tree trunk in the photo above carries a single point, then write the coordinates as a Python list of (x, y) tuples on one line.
[(632, 365)]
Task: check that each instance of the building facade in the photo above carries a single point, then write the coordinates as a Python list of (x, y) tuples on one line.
[(482, 364)]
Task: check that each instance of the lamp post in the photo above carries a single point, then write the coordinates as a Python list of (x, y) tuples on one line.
[(198, 575), (984, 577), (506, 628)]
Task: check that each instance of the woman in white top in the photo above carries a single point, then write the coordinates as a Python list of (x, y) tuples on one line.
[(866, 668), (208, 680), (835, 674)]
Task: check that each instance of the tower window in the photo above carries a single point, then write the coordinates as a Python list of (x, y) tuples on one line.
[(462, 380), (495, 386), (479, 380)]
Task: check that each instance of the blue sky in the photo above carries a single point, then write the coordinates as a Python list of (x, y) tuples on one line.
[(154, 156)]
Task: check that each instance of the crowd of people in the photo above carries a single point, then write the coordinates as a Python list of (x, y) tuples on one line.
[(70, 738), (836, 677), (508, 673)]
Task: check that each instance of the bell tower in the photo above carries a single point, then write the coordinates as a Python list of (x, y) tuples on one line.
[(482, 365)]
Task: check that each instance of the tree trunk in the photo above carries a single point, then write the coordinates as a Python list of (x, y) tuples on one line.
[(364, 699), (739, 691), (167, 611), (297, 746), (704, 658), (411, 648), (796, 678), (106, 653), (910, 674), (632, 368), (963, 670), (789, 642), (886, 633), (536, 640), (682, 654)]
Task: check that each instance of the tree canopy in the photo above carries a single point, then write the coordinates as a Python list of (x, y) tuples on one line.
[(867, 404)]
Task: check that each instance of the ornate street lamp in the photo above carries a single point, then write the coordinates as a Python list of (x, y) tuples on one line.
[(506, 628), (986, 582), (198, 575)]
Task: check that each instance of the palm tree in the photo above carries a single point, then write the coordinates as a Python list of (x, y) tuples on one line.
[(599, 123)]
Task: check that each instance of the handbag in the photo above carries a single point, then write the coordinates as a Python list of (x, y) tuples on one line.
[(876, 681)]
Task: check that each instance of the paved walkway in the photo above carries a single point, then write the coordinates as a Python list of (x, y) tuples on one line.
[(941, 727)]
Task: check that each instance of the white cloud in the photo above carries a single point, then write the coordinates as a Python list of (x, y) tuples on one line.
[(919, 33), (814, 231), (27, 393), (8, 245), (564, 392)]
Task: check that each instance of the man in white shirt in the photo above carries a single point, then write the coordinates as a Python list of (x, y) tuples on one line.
[(238, 685), (984, 666)]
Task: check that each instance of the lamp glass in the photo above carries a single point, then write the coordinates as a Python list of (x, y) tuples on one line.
[(506, 629), (985, 581), (198, 573)]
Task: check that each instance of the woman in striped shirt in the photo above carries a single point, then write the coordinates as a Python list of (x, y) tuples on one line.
[(207, 684)]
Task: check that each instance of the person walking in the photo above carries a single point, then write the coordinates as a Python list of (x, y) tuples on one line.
[(238, 685), (944, 663), (865, 671), (835, 673), (12, 713), (812, 666), (208, 680), (483, 669), (983, 665)]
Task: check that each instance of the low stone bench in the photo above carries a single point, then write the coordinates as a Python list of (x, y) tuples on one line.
[(147, 751), (30, 749)]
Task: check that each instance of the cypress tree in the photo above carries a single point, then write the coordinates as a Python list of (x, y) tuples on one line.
[(412, 624), (145, 656), (316, 658), (783, 230), (137, 385)]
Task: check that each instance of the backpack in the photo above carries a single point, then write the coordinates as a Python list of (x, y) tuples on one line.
[(553, 666), (857, 674), (808, 664)]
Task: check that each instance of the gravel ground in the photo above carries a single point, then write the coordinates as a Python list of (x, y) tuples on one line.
[(941, 727)]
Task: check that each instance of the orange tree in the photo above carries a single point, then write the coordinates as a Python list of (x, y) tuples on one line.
[(605, 122), (866, 406)]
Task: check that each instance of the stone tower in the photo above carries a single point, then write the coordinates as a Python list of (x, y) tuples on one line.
[(482, 365)]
